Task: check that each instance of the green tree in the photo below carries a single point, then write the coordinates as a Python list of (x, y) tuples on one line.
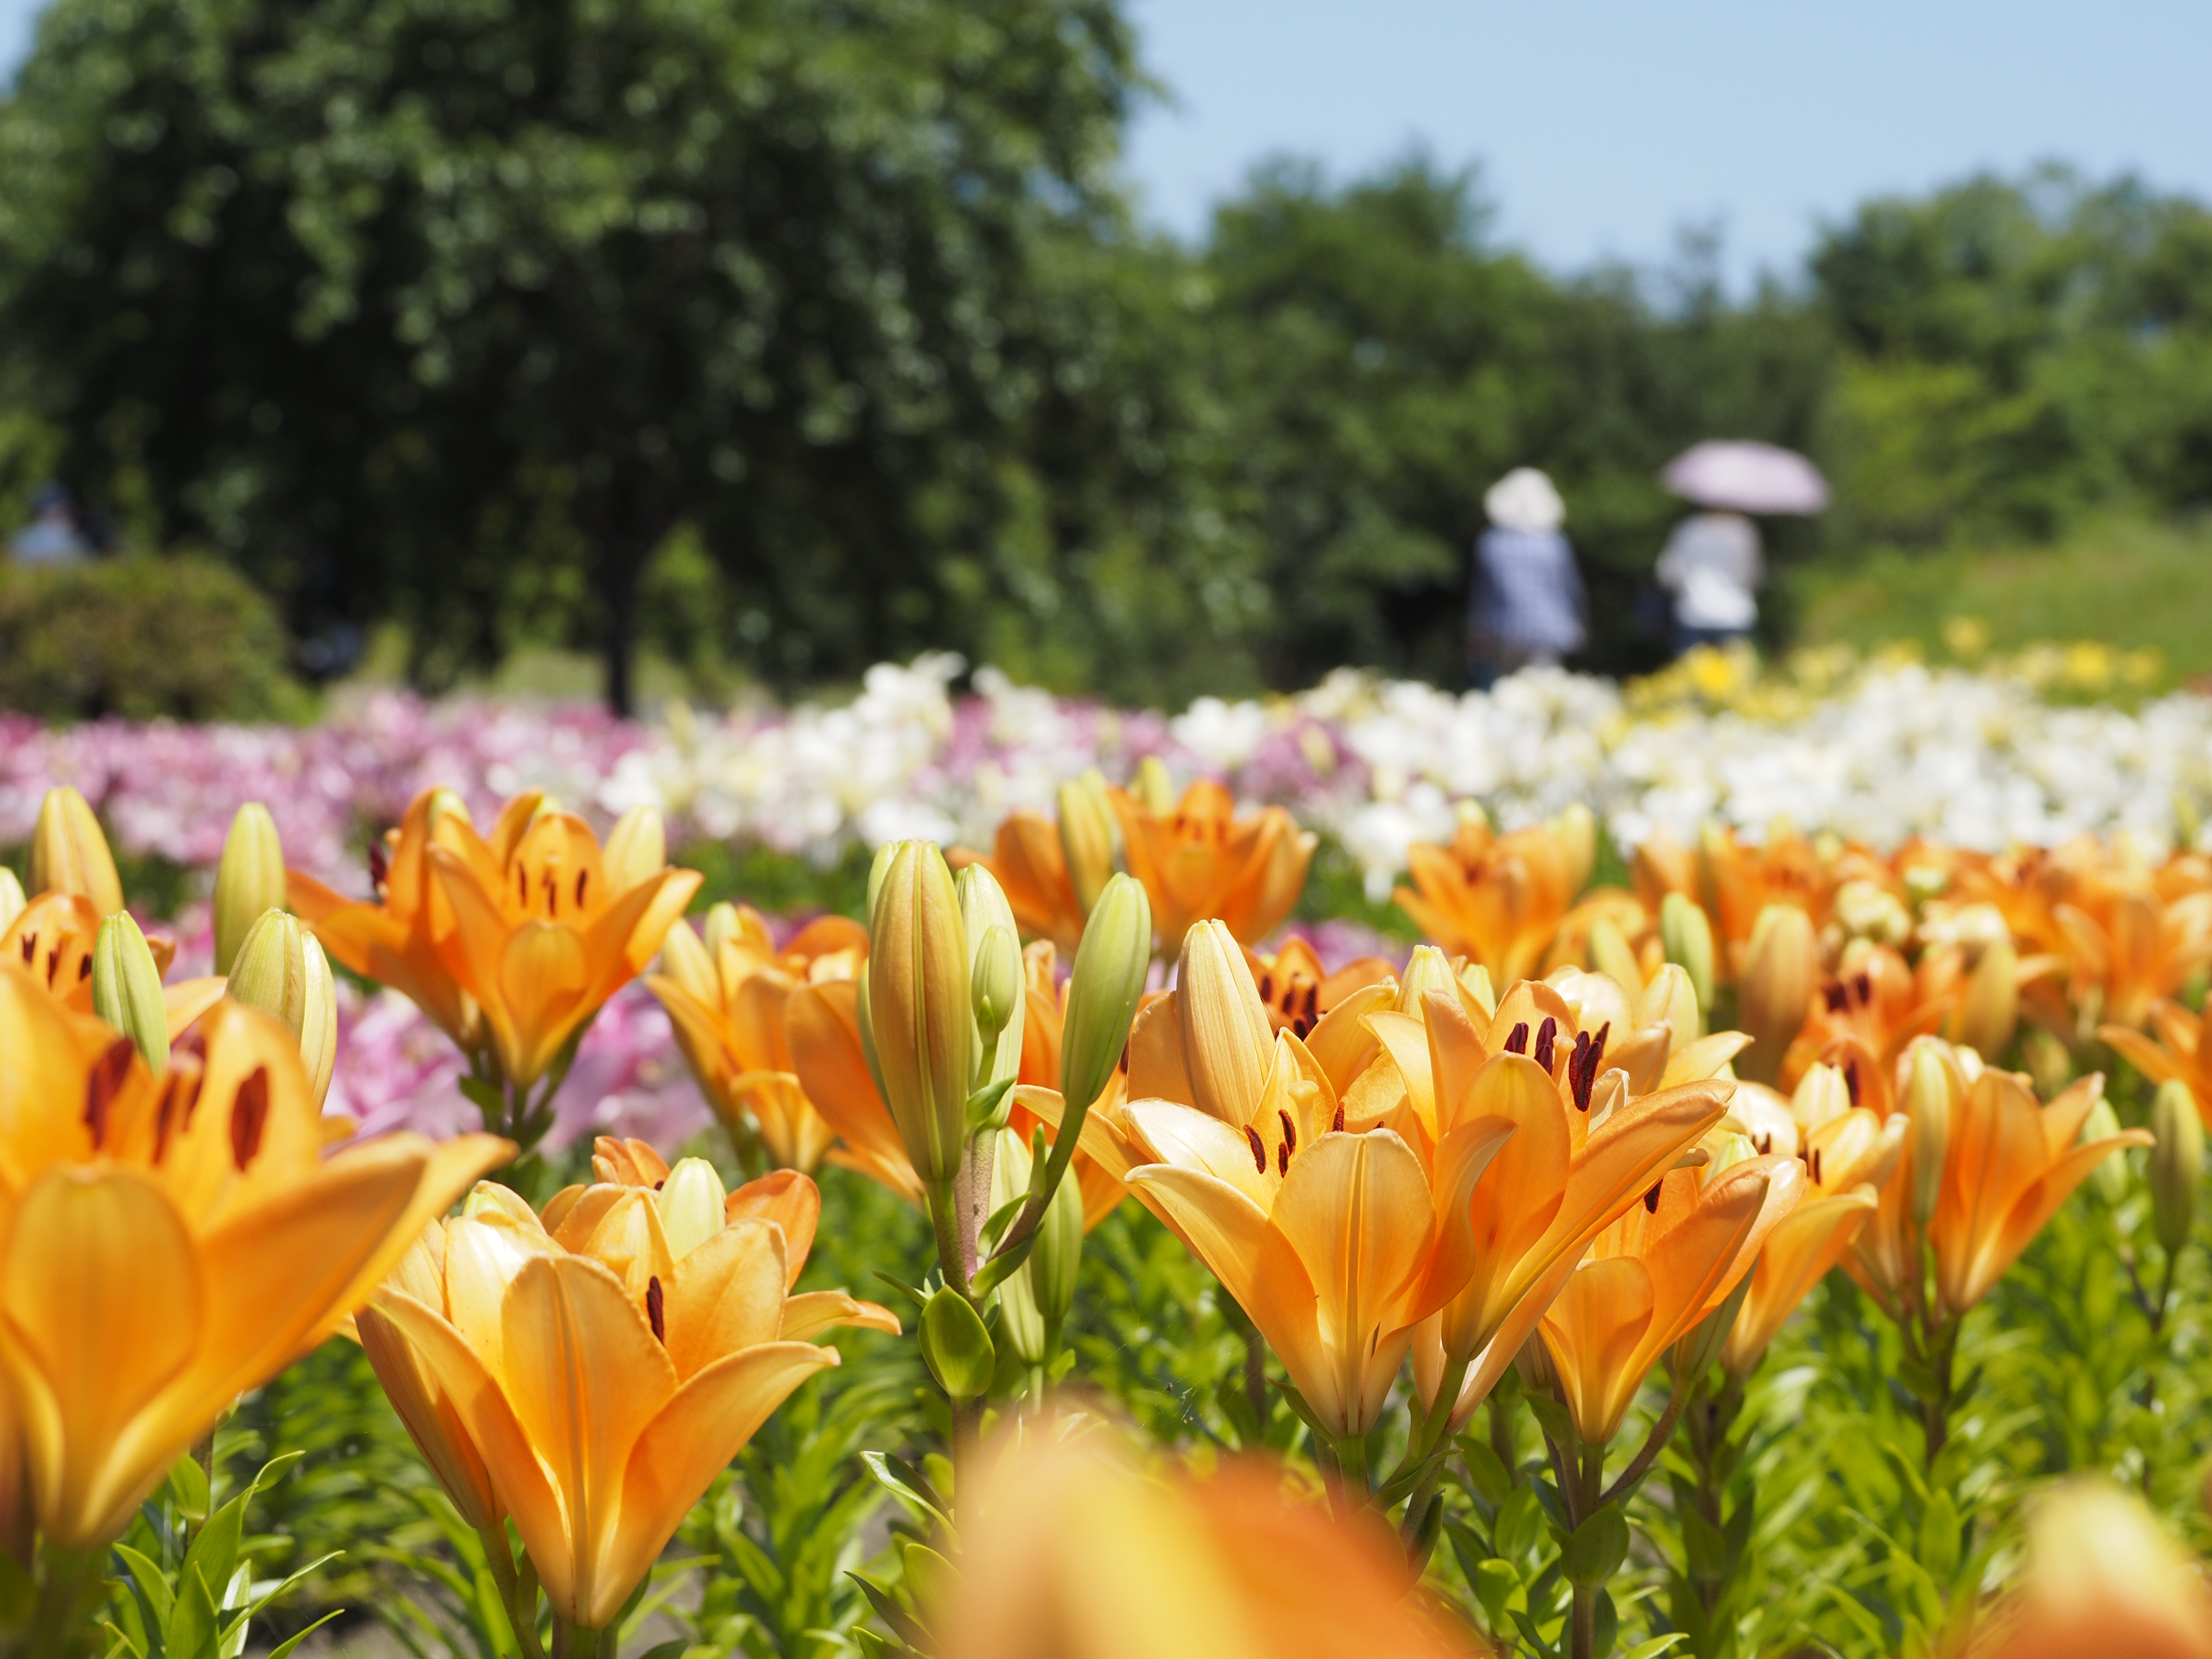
[(453, 310)]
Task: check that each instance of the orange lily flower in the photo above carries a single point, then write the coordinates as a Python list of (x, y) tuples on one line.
[(1202, 861), (173, 1242), (1848, 1154), (1496, 900), (728, 1009), (403, 940), (2181, 1050), (53, 938), (1743, 879), (1607, 1116), (1653, 1275), (2129, 948), (604, 1362), (1297, 991), (2012, 1162), (821, 1023), (1631, 925), (1068, 1523), (1874, 998)]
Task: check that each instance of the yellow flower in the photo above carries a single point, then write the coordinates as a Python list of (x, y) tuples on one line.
[(52, 937), (172, 1242), (1203, 862), (727, 1004), (1650, 1278), (604, 1362), (1228, 1567), (1496, 900)]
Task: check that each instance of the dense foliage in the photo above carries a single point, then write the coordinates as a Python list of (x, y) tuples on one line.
[(792, 335)]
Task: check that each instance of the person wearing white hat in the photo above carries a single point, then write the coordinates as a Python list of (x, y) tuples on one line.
[(1526, 603)]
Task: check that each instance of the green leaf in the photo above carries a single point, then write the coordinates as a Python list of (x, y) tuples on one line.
[(1598, 1547), (902, 1623), (152, 1587), (983, 1112), (285, 1647), (1655, 1647), (1705, 1550), (1558, 1425), (192, 1631), (1520, 1523), (910, 1486), (1605, 1624), (1490, 1478), (1494, 1584), (189, 1481), (1939, 1538)]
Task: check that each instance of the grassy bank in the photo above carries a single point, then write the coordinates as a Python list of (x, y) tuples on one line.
[(2129, 584)]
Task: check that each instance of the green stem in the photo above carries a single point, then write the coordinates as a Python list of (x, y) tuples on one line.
[(1590, 1489), (69, 1593), (945, 1221), (521, 1615), (1654, 1443), (967, 1440), (1351, 1464)]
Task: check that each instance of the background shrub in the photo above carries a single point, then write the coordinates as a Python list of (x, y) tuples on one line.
[(142, 637)]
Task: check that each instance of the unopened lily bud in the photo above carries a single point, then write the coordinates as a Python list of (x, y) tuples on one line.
[(957, 1346), (690, 1201), (997, 1004), (995, 981), (1687, 937), (1428, 969), (1672, 997), (1470, 815), (1991, 1009), (1780, 970), (636, 847), (1610, 955), (1724, 1153), (1929, 1106), (2177, 1163), (921, 1015), (2110, 1178), (1021, 1319), (1152, 787), (249, 881), (69, 854), (879, 868), (281, 971), (1057, 1257), (724, 926), (11, 898), (1102, 992), (1823, 1095), (1576, 830), (1087, 834), (1476, 978), (689, 963), (126, 988)]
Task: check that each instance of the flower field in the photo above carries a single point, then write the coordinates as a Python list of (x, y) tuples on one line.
[(1709, 1166)]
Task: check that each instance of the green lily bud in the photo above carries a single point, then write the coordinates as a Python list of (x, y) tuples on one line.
[(1057, 1257), (2110, 1178), (11, 898), (1732, 1149), (691, 1203), (1576, 830), (995, 974), (281, 971), (879, 868), (689, 963), (1781, 969), (1609, 954), (1928, 1105), (2177, 1163), (1102, 995), (1427, 969), (126, 988), (723, 927), (1153, 787), (919, 1013), (1687, 937), (1991, 1009), (1088, 836), (1476, 978), (249, 881), (1021, 1320), (956, 1345), (69, 854)]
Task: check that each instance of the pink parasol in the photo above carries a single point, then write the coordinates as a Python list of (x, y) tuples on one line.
[(1746, 477)]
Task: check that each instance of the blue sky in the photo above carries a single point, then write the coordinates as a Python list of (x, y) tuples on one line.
[(1605, 126)]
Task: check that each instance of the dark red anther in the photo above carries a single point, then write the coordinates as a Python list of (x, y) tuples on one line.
[(1852, 1079), (1597, 1046), (1258, 1149), (1517, 1043), (1290, 1132), (1816, 1166), (84, 969), (102, 1083), (1313, 1004), (583, 884), (380, 864), (249, 1117), (1547, 1038), (1766, 1144), (1338, 1126), (1833, 995), (1283, 1158), (656, 1309), (1651, 1199), (30, 948)]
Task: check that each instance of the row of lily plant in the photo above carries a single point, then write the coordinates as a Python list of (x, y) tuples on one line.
[(1524, 1174)]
